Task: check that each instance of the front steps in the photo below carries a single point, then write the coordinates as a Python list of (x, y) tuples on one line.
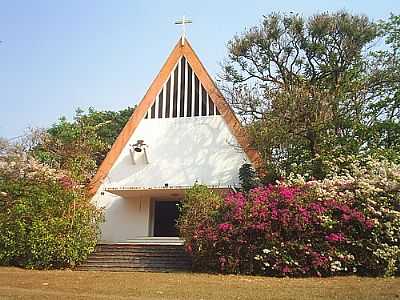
[(157, 241), (150, 257)]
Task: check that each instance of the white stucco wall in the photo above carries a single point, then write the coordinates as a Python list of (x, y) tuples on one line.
[(124, 218), (181, 152)]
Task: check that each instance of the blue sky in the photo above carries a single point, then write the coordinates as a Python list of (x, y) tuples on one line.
[(61, 55)]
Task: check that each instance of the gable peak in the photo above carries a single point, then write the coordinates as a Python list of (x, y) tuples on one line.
[(221, 107)]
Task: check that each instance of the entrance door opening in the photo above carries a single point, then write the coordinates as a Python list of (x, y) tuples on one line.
[(165, 215)]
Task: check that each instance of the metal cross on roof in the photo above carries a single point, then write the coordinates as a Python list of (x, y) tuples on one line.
[(183, 23)]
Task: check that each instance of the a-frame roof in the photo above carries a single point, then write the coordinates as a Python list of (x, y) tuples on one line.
[(181, 49)]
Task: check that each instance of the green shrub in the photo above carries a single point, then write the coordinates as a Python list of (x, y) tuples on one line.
[(46, 221), (248, 177), (196, 208)]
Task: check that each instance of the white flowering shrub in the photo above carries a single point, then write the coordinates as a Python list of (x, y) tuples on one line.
[(373, 186)]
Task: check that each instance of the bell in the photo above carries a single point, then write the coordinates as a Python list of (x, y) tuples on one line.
[(137, 149)]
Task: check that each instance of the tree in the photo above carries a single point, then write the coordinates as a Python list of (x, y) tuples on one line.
[(299, 85), (81, 145), (248, 177), (382, 129), (108, 123), (3, 145)]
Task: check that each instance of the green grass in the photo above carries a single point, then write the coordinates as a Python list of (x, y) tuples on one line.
[(27, 284)]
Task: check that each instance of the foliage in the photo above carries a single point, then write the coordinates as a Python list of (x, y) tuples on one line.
[(345, 224), (46, 220), (382, 130), (108, 124), (81, 145), (374, 186), (311, 90), (247, 177), (199, 203)]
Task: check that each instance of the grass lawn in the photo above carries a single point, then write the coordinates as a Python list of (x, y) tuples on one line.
[(18, 283)]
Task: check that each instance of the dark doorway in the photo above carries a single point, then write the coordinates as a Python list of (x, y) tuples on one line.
[(165, 215)]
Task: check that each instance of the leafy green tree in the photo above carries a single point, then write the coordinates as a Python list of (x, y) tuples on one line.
[(79, 146), (248, 177), (108, 124), (382, 128), (299, 85)]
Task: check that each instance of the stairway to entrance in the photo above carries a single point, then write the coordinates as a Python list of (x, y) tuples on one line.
[(138, 255)]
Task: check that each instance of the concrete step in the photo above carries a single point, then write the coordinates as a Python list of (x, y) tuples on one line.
[(137, 257), (129, 269), (140, 249), (173, 241), (157, 241), (136, 263), (126, 255), (139, 246)]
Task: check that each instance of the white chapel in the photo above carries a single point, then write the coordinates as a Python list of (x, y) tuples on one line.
[(182, 132)]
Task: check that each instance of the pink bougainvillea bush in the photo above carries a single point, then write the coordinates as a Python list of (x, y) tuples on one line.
[(300, 229)]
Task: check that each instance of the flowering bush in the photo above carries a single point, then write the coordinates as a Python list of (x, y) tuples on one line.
[(374, 187), (336, 226), (45, 218), (198, 207)]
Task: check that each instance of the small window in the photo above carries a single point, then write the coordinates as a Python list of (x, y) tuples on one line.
[(182, 100), (196, 96), (210, 106), (175, 96), (153, 110), (160, 103), (189, 93), (167, 98), (203, 101)]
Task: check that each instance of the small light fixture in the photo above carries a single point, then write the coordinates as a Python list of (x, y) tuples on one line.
[(139, 147)]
